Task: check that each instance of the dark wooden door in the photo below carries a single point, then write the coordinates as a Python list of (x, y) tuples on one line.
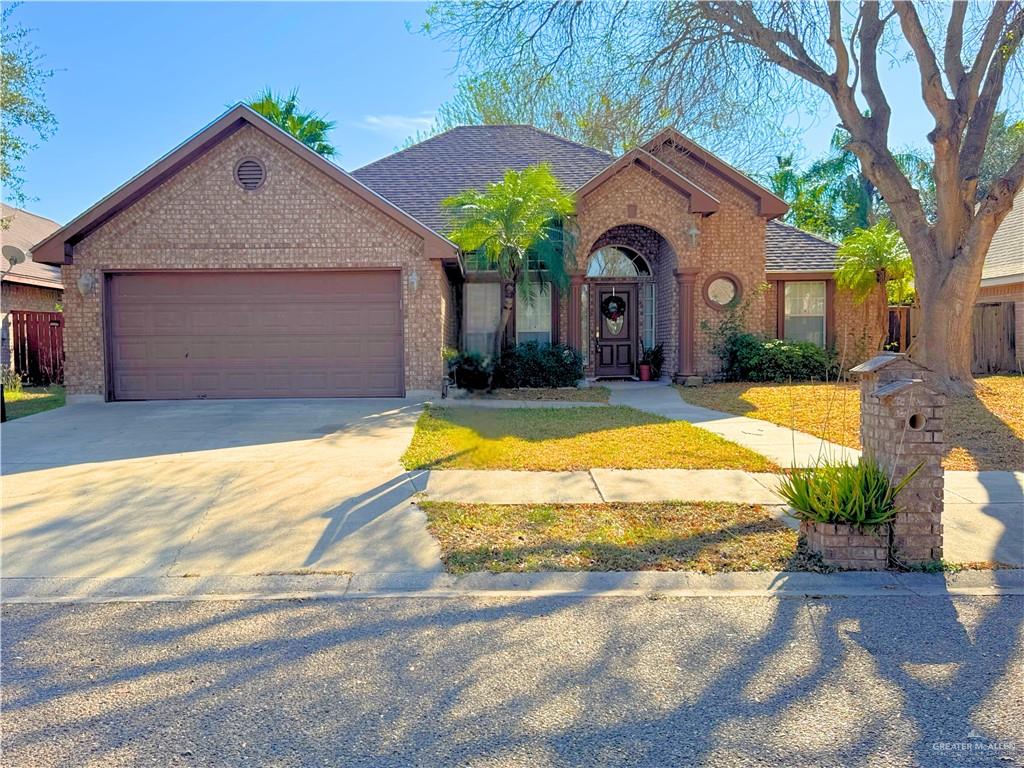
[(615, 321), (178, 335)]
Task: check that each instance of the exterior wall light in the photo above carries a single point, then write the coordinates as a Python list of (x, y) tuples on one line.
[(86, 283), (414, 280), (694, 234)]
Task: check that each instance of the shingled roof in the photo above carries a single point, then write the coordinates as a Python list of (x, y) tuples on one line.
[(417, 179), (1005, 257), (788, 249), (23, 231)]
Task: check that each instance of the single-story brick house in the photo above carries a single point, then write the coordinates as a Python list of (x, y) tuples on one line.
[(28, 285), (242, 264)]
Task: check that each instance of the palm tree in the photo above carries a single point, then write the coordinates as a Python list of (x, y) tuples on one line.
[(855, 202), (308, 127), (872, 257), (521, 225)]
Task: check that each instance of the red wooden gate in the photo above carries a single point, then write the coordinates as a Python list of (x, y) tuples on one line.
[(38, 340)]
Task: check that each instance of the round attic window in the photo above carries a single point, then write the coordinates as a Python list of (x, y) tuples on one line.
[(250, 174), (721, 290)]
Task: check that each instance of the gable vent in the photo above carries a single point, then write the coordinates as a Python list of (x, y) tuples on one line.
[(249, 174)]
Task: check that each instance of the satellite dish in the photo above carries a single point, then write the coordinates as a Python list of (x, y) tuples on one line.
[(13, 254)]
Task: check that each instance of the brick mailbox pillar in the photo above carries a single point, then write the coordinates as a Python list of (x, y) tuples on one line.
[(901, 426)]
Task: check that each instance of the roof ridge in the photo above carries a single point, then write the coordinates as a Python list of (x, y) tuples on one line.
[(15, 210), (604, 155), (804, 232), (406, 149)]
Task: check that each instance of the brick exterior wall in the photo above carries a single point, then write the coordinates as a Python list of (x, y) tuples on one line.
[(30, 298), (900, 431), (299, 219), (852, 328), (846, 547), (731, 240)]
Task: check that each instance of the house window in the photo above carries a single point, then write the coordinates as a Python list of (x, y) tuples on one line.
[(477, 261), (617, 262), (805, 312), (533, 320), (650, 315), (482, 311)]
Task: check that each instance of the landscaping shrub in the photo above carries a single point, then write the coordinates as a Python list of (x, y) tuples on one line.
[(10, 379), (540, 365), (841, 492), (747, 357), (472, 370), (654, 357)]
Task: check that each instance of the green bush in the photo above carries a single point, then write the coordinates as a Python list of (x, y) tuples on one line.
[(540, 365), (654, 357), (10, 379), (841, 492), (472, 370), (748, 357)]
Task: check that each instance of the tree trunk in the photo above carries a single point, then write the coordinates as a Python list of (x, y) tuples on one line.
[(944, 340), (508, 302)]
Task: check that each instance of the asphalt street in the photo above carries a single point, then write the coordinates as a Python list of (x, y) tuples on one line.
[(538, 681)]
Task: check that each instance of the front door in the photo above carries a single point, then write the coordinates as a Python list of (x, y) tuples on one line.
[(615, 323)]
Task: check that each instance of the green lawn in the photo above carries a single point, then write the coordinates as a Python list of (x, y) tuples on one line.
[(33, 400), (705, 537), (568, 439)]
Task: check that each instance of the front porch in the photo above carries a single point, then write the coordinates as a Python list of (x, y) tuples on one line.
[(628, 295)]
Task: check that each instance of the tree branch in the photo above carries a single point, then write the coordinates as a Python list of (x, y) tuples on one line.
[(954, 48), (980, 116), (932, 90), (989, 42)]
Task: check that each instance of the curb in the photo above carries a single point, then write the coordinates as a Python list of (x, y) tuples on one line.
[(441, 585)]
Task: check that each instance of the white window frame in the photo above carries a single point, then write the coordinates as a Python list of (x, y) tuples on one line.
[(786, 314), (535, 319), (475, 300), (650, 314)]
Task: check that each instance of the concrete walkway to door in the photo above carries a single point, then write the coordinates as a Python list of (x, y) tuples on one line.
[(228, 487), (786, 447)]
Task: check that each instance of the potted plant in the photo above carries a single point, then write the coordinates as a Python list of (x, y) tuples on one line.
[(651, 362), (845, 510)]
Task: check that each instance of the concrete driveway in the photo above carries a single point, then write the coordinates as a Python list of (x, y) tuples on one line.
[(222, 487)]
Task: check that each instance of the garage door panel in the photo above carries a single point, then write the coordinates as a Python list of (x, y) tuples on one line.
[(259, 334)]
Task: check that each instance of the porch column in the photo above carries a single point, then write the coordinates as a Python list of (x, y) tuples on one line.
[(575, 301), (686, 279)]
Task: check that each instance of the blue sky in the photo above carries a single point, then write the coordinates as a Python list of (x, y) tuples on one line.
[(133, 80)]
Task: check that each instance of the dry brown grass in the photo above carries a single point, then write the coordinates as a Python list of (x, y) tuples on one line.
[(705, 537), (562, 394), (983, 432)]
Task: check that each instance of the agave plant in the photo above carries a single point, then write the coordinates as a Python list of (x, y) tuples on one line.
[(860, 494)]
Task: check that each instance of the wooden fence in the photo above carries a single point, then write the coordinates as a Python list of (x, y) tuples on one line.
[(993, 333), (38, 341), (994, 338)]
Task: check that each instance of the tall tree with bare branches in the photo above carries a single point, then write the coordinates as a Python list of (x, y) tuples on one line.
[(968, 62)]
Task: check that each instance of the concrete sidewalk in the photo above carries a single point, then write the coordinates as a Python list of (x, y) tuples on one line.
[(983, 519), (786, 447)]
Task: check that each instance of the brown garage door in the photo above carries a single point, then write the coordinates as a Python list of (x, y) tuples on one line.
[(177, 335)]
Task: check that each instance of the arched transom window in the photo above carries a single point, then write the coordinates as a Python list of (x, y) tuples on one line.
[(615, 261)]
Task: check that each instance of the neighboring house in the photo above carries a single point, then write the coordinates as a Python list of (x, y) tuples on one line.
[(999, 313), (242, 264), (29, 285)]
